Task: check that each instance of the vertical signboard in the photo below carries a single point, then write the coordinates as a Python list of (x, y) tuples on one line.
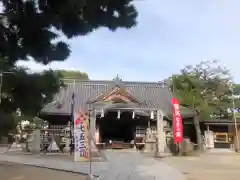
[(81, 132), (177, 122)]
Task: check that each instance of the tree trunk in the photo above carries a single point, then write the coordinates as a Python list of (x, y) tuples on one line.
[(236, 144), (198, 133)]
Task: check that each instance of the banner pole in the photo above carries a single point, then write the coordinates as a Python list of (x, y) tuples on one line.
[(178, 149), (89, 145), (71, 124)]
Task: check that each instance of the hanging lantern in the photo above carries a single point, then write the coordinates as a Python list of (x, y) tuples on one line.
[(118, 114), (133, 115), (152, 115), (102, 113)]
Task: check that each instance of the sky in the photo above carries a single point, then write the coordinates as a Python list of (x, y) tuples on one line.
[(170, 35)]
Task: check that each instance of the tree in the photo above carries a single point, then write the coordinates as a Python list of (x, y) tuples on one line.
[(7, 123), (67, 74), (236, 92), (206, 88), (49, 18), (28, 92), (236, 89), (31, 30)]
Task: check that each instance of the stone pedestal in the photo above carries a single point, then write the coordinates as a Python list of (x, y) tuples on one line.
[(150, 142), (186, 147), (67, 145), (150, 146)]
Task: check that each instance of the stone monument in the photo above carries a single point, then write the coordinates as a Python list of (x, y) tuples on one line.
[(161, 141)]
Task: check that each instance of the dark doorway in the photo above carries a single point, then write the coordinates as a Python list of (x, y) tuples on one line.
[(189, 131), (112, 128)]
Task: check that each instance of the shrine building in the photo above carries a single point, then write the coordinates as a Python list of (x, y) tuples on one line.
[(120, 110)]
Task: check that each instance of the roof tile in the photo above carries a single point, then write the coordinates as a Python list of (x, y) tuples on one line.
[(151, 95)]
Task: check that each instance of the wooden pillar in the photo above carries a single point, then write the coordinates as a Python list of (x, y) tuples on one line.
[(160, 134)]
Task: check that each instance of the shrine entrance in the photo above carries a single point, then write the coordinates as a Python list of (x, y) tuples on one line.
[(114, 128), (121, 129), (117, 124)]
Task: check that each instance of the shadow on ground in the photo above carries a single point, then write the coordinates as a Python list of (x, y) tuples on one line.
[(22, 172)]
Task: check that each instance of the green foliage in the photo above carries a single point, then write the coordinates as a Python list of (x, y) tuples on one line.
[(48, 19), (26, 91), (236, 89), (29, 92), (205, 87), (67, 74), (7, 123), (32, 29)]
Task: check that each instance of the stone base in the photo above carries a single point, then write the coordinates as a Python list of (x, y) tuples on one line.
[(150, 147), (91, 177), (161, 154), (66, 149)]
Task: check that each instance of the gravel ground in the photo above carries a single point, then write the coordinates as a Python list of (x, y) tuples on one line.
[(22, 172), (215, 166)]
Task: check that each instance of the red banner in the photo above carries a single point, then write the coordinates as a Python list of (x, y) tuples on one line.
[(177, 122)]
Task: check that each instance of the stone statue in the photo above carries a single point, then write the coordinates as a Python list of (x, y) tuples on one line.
[(149, 135)]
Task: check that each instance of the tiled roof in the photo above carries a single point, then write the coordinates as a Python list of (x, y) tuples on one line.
[(187, 112), (221, 121), (151, 95)]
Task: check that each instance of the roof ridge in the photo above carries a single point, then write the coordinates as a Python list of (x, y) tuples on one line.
[(112, 81)]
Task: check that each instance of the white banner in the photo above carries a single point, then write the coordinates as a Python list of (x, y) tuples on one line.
[(81, 132)]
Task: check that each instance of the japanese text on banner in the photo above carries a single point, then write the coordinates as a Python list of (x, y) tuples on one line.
[(81, 138), (177, 122)]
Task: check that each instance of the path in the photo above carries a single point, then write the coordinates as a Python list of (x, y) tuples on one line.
[(120, 166), (137, 166), (208, 166)]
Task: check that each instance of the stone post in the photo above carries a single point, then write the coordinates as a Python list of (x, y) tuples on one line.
[(160, 134), (92, 123), (92, 132)]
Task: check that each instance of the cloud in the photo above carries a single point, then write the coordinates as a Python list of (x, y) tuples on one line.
[(169, 35)]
